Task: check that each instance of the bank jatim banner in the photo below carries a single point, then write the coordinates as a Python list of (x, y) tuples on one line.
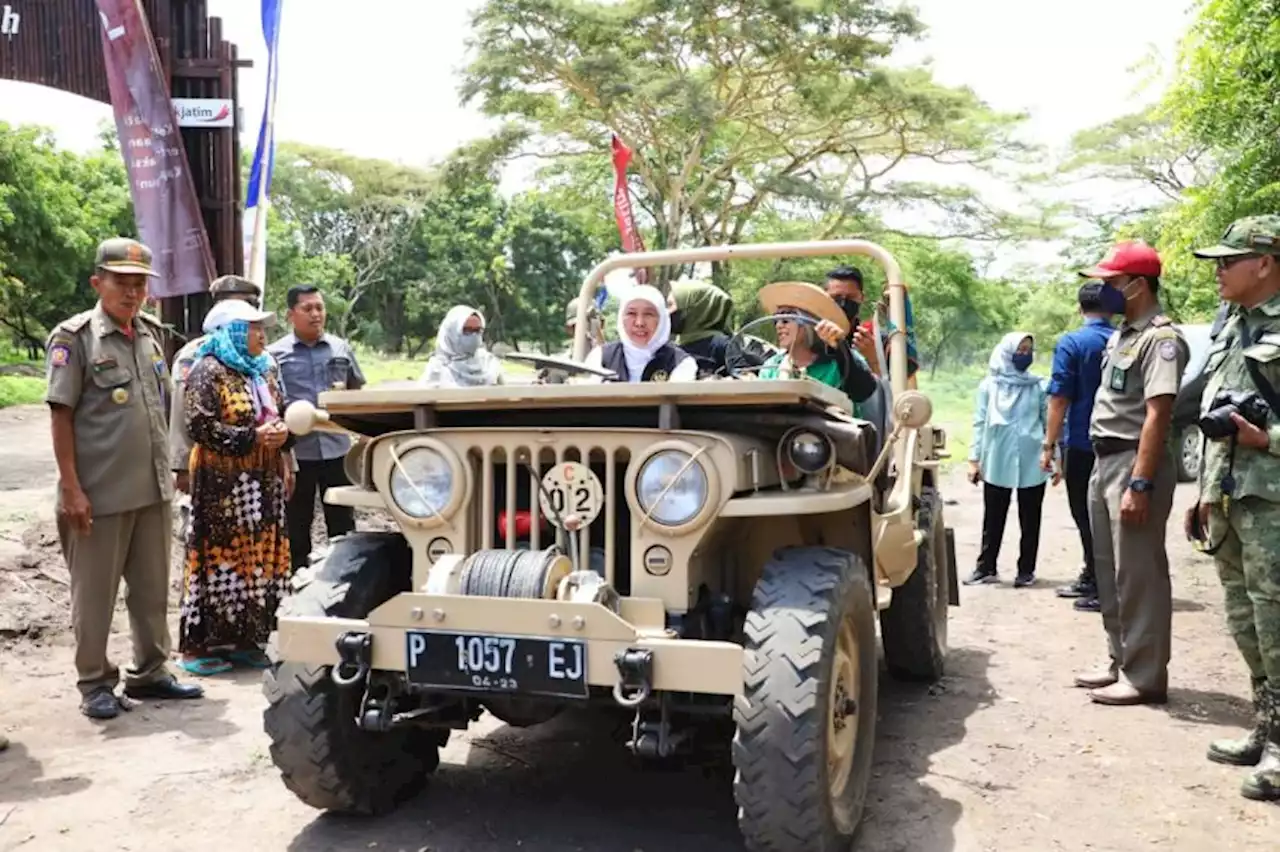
[(165, 205)]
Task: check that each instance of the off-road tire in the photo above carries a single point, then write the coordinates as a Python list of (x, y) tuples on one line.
[(780, 748), (323, 758), (914, 627)]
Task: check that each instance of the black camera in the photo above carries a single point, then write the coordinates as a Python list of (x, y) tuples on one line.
[(1248, 404)]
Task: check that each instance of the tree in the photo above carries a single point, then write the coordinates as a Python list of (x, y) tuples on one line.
[(360, 212), (733, 106), (55, 207)]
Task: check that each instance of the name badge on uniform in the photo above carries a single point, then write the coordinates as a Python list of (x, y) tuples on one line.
[(1117, 379)]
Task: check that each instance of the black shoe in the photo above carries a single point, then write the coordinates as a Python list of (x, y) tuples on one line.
[(166, 687), (102, 703), (979, 577), (1089, 604), (1023, 581), (1081, 588)]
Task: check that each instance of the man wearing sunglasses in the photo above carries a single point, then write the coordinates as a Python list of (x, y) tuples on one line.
[(1239, 503), (1133, 480)]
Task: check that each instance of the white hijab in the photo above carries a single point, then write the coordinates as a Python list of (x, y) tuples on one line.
[(638, 357), (452, 364)]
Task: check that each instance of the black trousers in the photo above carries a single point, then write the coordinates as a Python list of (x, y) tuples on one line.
[(316, 476), (1078, 468), (995, 510)]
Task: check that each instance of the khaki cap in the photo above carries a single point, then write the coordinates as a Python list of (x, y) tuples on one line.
[(123, 255), (228, 285)]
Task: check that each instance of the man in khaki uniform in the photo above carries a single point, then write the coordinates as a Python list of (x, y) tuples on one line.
[(108, 396), (222, 289), (1131, 489)]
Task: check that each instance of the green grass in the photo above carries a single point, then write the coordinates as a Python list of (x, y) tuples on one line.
[(952, 394), (21, 390)]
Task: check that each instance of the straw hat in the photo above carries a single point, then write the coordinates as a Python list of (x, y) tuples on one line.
[(809, 298)]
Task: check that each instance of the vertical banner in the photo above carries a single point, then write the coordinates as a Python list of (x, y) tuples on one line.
[(165, 206), (257, 198), (631, 241)]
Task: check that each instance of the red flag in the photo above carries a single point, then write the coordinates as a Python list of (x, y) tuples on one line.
[(631, 240), (164, 197)]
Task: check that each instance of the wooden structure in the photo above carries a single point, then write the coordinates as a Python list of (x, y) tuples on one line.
[(57, 43)]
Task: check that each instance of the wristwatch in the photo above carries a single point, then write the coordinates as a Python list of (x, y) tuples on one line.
[(1140, 486)]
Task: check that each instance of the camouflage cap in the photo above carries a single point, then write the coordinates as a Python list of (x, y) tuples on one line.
[(123, 255), (230, 285), (571, 312), (1250, 235)]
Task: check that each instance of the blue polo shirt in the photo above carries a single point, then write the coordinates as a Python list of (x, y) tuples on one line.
[(1077, 373)]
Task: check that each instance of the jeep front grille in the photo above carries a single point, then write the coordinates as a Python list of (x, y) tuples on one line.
[(515, 487)]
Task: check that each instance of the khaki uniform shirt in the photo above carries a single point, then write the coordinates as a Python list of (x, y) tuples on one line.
[(1143, 359), (180, 442), (1256, 472), (119, 390)]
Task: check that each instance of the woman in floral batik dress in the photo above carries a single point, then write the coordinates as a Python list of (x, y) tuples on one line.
[(237, 565)]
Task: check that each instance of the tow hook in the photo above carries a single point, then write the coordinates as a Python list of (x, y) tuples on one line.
[(355, 656), (635, 670)]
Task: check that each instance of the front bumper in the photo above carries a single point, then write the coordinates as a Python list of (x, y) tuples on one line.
[(679, 665)]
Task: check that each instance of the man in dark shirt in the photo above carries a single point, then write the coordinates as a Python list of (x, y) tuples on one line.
[(1077, 372)]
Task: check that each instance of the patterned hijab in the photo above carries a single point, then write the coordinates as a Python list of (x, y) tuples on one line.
[(230, 345)]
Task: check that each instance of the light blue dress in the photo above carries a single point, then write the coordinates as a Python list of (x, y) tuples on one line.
[(1009, 421)]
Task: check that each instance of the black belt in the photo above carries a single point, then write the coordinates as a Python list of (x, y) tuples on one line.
[(1113, 446)]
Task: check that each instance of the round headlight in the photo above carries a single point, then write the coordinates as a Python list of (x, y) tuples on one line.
[(809, 452), (422, 483), (670, 489)]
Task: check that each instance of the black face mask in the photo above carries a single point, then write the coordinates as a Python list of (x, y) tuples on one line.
[(677, 322), (851, 307)]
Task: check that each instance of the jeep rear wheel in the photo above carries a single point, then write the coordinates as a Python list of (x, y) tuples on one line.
[(806, 719), (914, 627), (323, 758)]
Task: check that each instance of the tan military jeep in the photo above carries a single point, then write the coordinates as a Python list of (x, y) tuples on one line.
[(667, 550)]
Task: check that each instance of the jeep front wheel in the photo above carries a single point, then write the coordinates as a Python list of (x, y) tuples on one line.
[(914, 627), (806, 719), (323, 758)]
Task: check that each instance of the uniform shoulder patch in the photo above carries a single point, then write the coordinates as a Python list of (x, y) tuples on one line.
[(59, 354), (1161, 320), (1168, 349)]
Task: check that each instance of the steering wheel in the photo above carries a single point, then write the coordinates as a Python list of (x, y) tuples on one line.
[(552, 362), (842, 364)]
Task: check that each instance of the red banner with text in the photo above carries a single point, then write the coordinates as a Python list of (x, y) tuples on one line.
[(631, 241), (164, 196)]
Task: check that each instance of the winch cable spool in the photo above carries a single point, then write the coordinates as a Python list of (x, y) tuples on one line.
[(514, 573)]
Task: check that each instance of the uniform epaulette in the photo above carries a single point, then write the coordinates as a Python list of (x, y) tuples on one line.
[(1160, 320), (73, 324), (153, 320)]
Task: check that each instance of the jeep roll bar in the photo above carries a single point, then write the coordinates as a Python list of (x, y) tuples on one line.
[(757, 251)]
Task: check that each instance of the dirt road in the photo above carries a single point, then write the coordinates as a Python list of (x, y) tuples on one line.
[(1003, 754)]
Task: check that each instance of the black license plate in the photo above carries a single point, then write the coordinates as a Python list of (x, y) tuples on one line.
[(521, 665)]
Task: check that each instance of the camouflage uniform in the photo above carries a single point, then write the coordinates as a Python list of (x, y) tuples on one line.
[(1244, 518)]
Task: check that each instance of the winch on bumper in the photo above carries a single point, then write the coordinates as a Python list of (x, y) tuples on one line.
[(518, 646)]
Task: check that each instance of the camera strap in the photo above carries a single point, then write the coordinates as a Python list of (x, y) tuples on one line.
[(1245, 337)]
